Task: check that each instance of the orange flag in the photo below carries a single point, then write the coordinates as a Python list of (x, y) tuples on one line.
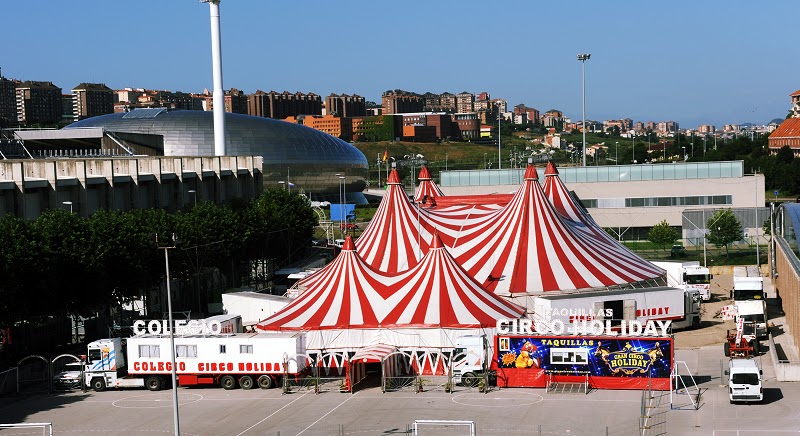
[(385, 155)]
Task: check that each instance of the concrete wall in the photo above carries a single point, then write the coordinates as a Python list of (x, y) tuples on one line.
[(787, 285), (28, 187)]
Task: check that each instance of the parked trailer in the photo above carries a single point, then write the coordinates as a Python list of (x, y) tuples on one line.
[(246, 360), (690, 276), (643, 305)]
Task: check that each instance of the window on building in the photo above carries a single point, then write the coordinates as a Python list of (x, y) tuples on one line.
[(186, 351), (246, 349)]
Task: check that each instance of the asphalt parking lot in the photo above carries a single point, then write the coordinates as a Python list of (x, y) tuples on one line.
[(214, 411)]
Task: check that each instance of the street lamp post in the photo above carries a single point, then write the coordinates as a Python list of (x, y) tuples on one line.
[(484, 160), (583, 57), (68, 203), (176, 418), (499, 154), (616, 153), (283, 184), (684, 153), (633, 148), (194, 195), (341, 206)]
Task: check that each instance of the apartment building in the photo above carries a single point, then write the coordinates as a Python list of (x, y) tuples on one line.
[(345, 105), (280, 105), (444, 102), (706, 129), (38, 103), (399, 101), (235, 101), (8, 101), (531, 114), (91, 100), (667, 127), (465, 102)]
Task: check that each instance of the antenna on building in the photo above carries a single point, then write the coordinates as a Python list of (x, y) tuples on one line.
[(219, 94)]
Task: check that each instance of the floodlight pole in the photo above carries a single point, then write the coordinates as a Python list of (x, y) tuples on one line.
[(583, 57), (175, 416)]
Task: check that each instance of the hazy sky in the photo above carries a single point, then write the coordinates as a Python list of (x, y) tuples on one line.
[(695, 62)]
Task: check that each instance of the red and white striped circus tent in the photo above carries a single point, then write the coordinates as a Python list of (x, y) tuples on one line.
[(526, 247), (569, 208), (427, 188), (389, 243), (347, 304)]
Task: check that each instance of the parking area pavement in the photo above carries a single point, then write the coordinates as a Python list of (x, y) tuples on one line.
[(214, 411)]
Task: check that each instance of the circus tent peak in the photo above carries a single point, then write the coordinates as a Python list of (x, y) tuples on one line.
[(531, 173), (439, 293), (424, 174), (427, 188), (394, 178), (573, 212), (551, 169), (435, 293), (528, 248)]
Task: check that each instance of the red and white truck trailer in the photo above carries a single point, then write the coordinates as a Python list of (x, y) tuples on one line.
[(226, 360)]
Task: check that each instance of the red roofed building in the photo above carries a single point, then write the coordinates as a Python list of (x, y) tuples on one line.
[(788, 133), (795, 103)]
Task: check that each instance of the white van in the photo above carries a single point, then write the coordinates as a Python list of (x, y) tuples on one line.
[(744, 381)]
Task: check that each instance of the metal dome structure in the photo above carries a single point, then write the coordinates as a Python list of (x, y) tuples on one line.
[(298, 156)]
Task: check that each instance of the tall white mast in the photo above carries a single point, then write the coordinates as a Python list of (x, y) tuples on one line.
[(219, 94)]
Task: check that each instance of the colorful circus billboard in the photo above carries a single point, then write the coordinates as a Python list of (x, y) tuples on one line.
[(606, 362)]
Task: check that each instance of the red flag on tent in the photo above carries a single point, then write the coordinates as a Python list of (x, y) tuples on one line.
[(385, 155)]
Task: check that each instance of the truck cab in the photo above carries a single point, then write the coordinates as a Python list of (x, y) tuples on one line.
[(744, 381), (469, 359), (697, 278)]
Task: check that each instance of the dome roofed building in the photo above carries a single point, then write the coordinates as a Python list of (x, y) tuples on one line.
[(300, 157)]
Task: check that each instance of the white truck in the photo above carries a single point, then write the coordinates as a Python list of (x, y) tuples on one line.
[(690, 276), (649, 304), (470, 359), (749, 301), (227, 360), (744, 381)]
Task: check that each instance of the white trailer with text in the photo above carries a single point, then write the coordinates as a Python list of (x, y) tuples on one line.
[(246, 360), (680, 307)]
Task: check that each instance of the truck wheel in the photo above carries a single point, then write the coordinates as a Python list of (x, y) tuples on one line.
[(98, 384), (227, 382), (469, 380), (727, 348), (246, 382), (153, 383), (265, 382)]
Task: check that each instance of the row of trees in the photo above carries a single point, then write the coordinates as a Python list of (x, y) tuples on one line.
[(63, 263), (723, 229)]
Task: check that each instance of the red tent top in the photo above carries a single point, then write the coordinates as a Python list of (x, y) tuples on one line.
[(529, 248), (349, 294), (427, 187)]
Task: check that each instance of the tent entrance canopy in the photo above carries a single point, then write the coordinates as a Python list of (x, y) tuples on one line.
[(373, 353), (373, 356)]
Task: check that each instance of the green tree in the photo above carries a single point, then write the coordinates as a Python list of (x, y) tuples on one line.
[(663, 235), (724, 229)]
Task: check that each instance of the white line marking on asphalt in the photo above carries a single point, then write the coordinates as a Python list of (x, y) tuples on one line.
[(329, 412), (270, 416)]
